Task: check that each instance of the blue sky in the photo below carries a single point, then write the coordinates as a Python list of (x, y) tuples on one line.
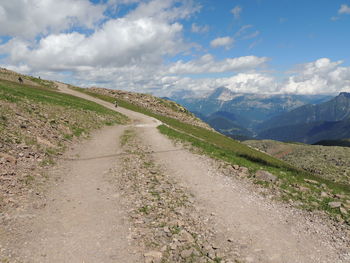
[(290, 32), (163, 46)]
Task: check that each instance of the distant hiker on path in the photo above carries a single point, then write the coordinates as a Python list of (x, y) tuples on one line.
[(116, 104), (20, 80)]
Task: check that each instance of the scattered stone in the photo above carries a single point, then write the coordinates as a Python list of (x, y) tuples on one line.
[(339, 196), (244, 170), (311, 181), (324, 194), (343, 211), (241, 174), (235, 166), (153, 257), (187, 253), (184, 236), (166, 229), (303, 189), (334, 204), (265, 176)]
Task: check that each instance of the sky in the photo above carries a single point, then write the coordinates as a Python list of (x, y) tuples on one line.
[(168, 47)]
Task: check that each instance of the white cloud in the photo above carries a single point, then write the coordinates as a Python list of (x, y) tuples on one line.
[(199, 29), (28, 18), (236, 11), (207, 64), (250, 83), (134, 51), (222, 42), (118, 42), (320, 76), (165, 10), (344, 9)]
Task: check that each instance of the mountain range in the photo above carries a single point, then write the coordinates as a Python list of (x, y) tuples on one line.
[(284, 117), (311, 123)]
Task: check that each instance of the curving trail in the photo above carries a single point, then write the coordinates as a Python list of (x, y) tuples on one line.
[(84, 220), (266, 231)]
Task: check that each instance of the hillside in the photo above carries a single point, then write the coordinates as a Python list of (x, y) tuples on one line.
[(36, 124), (227, 124), (329, 162), (154, 104)]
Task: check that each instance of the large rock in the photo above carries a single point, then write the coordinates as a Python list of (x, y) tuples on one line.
[(265, 176)]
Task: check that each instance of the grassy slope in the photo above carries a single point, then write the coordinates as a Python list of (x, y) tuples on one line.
[(36, 124), (291, 184)]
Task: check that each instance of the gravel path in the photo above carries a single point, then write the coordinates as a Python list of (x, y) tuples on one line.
[(266, 231), (84, 219)]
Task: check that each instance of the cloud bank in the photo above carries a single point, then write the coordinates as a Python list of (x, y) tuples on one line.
[(144, 49)]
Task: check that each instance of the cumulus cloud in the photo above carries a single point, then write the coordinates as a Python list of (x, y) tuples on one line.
[(236, 11), (139, 51), (250, 83), (320, 76), (222, 42), (119, 42), (207, 64), (344, 9), (28, 18)]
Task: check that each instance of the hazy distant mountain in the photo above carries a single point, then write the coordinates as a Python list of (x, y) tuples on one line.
[(227, 123), (309, 132), (249, 110), (336, 109), (311, 123)]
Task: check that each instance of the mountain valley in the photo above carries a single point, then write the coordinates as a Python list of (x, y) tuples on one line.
[(300, 118)]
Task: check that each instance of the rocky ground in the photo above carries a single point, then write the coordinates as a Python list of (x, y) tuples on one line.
[(331, 162), (166, 222)]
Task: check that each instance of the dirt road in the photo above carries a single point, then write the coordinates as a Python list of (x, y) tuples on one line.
[(83, 220), (267, 232)]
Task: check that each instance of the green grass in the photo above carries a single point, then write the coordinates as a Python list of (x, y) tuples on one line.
[(44, 83), (13, 92)]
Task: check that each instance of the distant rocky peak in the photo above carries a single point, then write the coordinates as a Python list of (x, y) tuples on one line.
[(344, 94)]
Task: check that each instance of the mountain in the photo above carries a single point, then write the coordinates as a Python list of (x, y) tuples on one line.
[(227, 123), (250, 110), (336, 109), (309, 132), (311, 123)]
